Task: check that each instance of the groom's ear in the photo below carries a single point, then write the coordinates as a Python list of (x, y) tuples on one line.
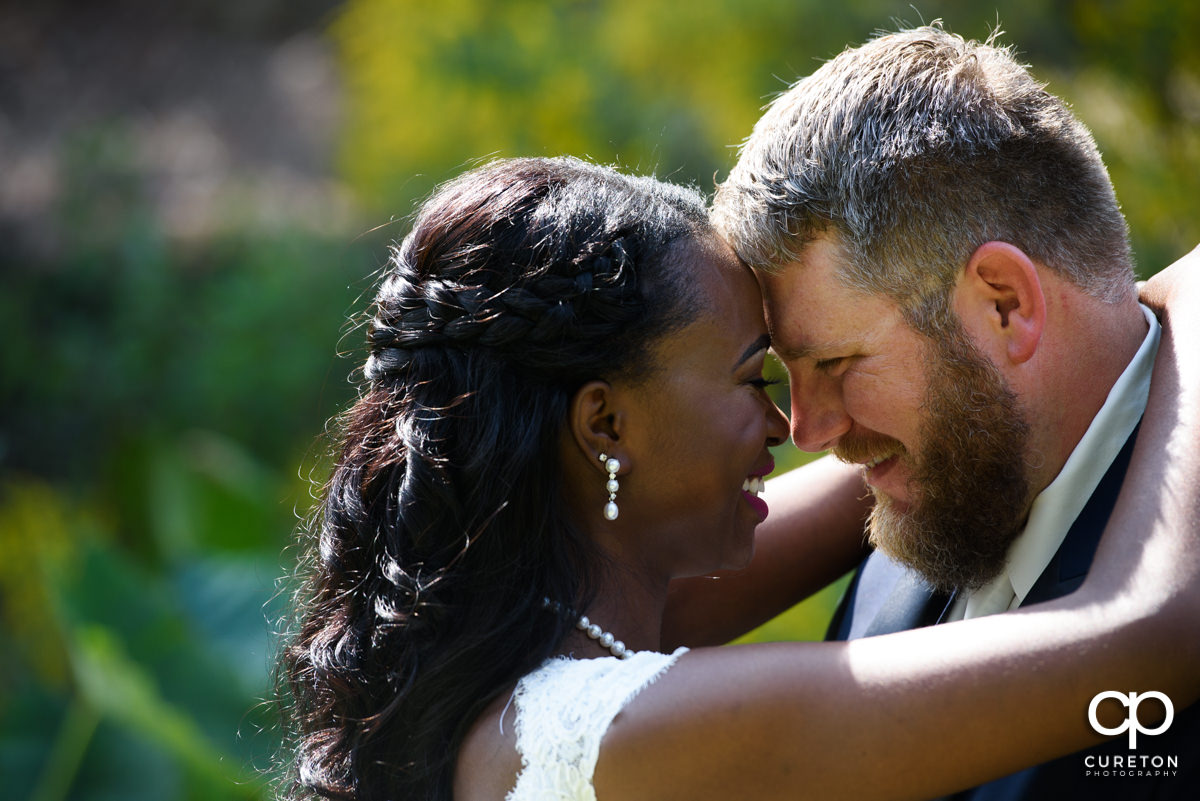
[(1000, 297)]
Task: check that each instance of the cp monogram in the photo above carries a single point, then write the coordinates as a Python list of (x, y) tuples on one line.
[(1131, 723)]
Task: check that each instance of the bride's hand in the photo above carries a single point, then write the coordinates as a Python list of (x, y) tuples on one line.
[(1167, 290)]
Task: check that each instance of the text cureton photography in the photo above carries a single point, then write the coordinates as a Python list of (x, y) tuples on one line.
[(1131, 765), (1149, 765)]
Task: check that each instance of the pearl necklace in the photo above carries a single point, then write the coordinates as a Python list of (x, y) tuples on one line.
[(593, 631)]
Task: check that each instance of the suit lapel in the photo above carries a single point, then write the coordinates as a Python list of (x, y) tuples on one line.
[(885, 597), (911, 605)]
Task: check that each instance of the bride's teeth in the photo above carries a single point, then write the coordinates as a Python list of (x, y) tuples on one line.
[(754, 485)]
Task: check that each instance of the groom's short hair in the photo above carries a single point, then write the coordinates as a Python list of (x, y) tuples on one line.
[(914, 149)]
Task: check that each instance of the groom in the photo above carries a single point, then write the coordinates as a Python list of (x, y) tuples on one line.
[(948, 281)]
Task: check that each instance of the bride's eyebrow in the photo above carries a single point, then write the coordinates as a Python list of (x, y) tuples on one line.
[(762, 343)]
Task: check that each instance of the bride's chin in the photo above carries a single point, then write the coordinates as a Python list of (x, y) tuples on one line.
[(740, 558)]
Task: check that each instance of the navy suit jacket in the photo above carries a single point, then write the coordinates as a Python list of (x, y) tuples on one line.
[(885, 597)]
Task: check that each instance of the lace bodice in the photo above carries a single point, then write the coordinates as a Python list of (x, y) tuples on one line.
[(563, 710)]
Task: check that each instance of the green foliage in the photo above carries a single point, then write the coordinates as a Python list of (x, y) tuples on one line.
[(115, 657), (126, 337), (656, 88), (160, 397)]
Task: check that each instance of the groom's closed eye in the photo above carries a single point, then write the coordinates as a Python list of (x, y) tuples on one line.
[(833, 365), (825, 365)]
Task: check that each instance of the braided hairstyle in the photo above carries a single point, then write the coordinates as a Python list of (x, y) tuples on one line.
[(442, 527)]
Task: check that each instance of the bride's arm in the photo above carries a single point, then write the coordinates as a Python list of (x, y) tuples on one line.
[(921, 713), (814, 533), (812, 536)]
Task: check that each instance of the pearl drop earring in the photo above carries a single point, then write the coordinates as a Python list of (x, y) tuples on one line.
[(612, 465)]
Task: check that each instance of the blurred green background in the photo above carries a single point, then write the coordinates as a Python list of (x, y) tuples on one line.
[(193, 198)]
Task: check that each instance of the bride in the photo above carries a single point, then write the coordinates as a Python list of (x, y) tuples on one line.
[(563, 409)]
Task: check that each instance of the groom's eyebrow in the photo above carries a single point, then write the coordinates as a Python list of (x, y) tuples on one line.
[(762, 343), (809, 350), (794, 353)]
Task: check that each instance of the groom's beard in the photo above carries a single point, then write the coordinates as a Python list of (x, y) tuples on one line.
[(969, 492)]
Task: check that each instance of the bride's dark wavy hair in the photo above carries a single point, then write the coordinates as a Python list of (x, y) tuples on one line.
[(442, 527)]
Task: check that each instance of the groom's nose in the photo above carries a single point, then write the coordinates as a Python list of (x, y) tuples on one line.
[(819, 416)]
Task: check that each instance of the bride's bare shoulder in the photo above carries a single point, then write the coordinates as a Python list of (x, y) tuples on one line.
[(488, 761)]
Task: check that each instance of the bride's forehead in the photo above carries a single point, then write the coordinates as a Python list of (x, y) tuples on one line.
[(728, 303), (716, 275)]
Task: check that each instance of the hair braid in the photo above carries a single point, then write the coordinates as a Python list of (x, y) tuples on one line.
[(530, 322)]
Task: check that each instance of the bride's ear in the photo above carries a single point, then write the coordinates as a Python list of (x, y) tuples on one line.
[(597, 421)]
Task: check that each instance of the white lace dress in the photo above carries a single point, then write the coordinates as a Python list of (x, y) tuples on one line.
[(563, 710)]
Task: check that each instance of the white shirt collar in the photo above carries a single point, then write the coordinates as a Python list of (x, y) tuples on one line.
[(1056, 507)]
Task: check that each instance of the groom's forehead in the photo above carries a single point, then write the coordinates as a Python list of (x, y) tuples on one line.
[(813, 314), (816, 281)]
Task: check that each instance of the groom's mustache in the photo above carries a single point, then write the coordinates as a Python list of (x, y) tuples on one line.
[(859, 448)]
